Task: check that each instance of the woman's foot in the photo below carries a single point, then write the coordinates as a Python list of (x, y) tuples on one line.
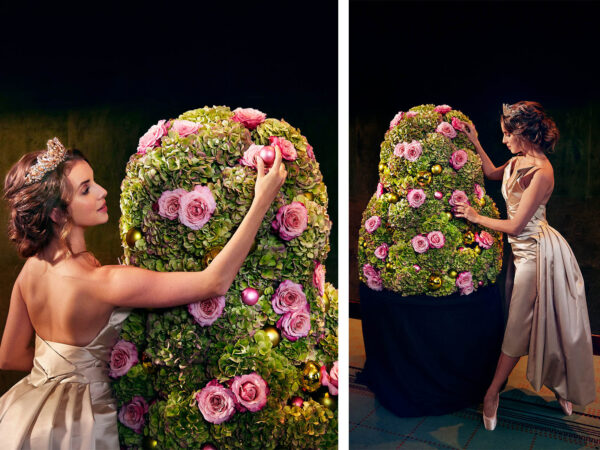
[(490, 411), (566, 405)]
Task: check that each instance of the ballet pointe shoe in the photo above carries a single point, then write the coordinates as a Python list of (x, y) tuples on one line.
[(566, 405), (490, 422)]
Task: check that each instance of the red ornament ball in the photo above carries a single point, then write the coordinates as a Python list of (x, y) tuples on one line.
[(208, 447), (250, 296), (267, 154), (297, 401)]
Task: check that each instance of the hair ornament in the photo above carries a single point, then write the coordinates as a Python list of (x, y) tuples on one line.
[(46, 162)]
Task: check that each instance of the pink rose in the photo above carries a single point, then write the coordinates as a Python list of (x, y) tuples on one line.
[(310, 152), (458, 159), (249, 158), (381, 252), (207, 310), (416, 197), (249, 117), (457, 124), (413, 151), (443, 109), (479, 191), (185, 127), (467, 290), (446, 129), (396, 120), (196, 207), (330, 379), (464, 280), (420, 243), (152, 137), (484, 239), (372, 223), (319, 277), (288, 151), (216, 403), (436, 239), (295, 324), (123, 357), (373, 277), (458, 197), (399, 149), (379, 190), (411, 114), (289, 296), (250, 391), (168, 203), (132, 414), (291, 221)]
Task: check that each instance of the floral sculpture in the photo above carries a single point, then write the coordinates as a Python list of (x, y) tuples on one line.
[(240, 370), (410, 242)]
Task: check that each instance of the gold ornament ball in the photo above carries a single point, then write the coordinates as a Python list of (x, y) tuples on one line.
[(424, 178), (392, 198), (133, 235), (327, 400), (309, 195), (478, 249), (436, 169), (150, 442), (453, 273), (482, 201), (311, 376), (381, 167), (448, 215), (468, 238), (389, 265), (272, 334), (211, 254), (435, 282), (365, 245)]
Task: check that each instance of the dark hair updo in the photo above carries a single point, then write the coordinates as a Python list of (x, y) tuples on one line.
[(529, 121), (30, 226)]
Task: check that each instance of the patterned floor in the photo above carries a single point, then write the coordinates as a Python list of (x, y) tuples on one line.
[(527, 420)]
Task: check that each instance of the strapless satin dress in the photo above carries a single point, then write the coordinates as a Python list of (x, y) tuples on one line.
[(66, 401), (548, 317)]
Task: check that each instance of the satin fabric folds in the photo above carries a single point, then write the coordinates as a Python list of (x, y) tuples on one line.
[(66, 401), (548, 317)]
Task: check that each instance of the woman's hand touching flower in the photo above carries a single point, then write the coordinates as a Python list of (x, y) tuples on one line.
[(463, 209), (471, 132)]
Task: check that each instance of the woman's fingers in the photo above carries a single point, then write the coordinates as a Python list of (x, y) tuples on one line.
[(260, 168), (277, 162)]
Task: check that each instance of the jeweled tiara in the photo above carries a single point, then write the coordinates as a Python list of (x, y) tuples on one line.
[(46, 162)]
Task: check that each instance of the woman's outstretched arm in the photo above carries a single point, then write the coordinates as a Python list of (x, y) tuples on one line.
[(135, 287), (15, 351), (489, 169)]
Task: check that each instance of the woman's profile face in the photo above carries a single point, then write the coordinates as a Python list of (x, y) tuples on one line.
[(87, 207), (511, 141)]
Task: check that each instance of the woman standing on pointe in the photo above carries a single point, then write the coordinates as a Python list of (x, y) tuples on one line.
[(547, 318), (69, 301)]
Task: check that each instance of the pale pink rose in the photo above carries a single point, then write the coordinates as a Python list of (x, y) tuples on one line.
[(416, 197), (446, 129), (310, 152), (196, 207), (295, 324), (132, 414), (436, 239), (288, 151), (249, 117), (457, 124), (375, 283), (123, 357), (379, 190), (413, 151), (291, 221), (420, 243), (467, 290), (372, 223), (330, 379), (288, 296), (458, 197), (458, 159), (443, 109), (373, 277), (464, 280), (216, 403), (484, 239), (250, 391), (411, 114), (168, 203), (249, 158), (396, 120), (152, 137), (185, 127), (319, 277), (479, 191), (399, 149), (381, 252), (207, 310)]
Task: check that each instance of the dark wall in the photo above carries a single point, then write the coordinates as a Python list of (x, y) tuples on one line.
[(99, 81), (475, 56)]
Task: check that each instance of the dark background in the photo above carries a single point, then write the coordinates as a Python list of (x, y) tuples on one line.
[(100, 76), (474, 56)]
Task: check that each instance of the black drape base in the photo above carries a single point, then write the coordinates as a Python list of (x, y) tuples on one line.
[(430, 355)]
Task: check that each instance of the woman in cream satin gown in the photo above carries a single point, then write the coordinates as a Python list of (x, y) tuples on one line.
[(75, 306), (547, 318)]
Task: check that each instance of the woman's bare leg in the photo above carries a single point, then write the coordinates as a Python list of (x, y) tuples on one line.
[(505, 366)]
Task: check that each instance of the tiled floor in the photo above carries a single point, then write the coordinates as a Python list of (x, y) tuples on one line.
[(527, 420)]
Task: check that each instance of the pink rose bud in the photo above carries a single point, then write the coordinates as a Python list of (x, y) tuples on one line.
[(381, 252), (413, 151), (152, 137), (399, 149), (416, 267), (123, 357), (416, 197), (132, 414), (373, 277), (372, 223), (411, 114), (168, 203), (484, 239), (443, 109), (438, 195), (216, 403), (249, 158), (250, 391), (436, 239), (319, 277), (185, 127), (479, 191), (249, 117), (288, 296), (310, 152), (295, 324), (379, 190), (291, 221), (207, 310), (458, 159), (446, 129), (457, 124), (420, 243), (396, 120), (288, 151), (196, 207)]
